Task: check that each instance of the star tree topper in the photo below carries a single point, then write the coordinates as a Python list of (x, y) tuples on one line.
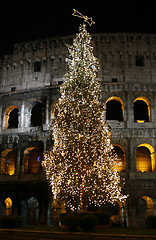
[(86, 19)]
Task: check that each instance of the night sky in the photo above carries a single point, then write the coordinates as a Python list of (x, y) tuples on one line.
[(28, 20)]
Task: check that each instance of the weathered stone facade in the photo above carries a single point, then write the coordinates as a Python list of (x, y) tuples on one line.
[(29, 81)]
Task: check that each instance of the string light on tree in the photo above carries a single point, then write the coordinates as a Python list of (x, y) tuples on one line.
[(81, 167)]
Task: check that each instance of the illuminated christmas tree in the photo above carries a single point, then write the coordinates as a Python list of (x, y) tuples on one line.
[(81, 167)]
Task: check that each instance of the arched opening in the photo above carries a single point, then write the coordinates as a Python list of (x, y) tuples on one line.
[(149, 205), (8, 207), (142, 110), (32, 160), (10, 119), (145, 158), (13, 119), (121, 166), (36, 115), (7, 165), (53, 113), (114, 109), (30, 211), (146, 207)]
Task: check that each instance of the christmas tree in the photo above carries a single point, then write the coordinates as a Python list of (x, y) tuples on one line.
[(81, 167)]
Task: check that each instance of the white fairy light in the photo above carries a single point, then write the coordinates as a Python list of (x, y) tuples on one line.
[(82, 164)]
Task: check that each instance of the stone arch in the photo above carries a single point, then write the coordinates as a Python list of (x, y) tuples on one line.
[(36, 115), (10, 119), (150, 205), (30, 211), (145, 158), (120, 151), (8, 207), (142, 110), (53, 109), (146, 207), (31, 160), (7, 165), (114, 109)]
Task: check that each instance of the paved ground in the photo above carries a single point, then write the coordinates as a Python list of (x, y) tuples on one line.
[(43, 235)]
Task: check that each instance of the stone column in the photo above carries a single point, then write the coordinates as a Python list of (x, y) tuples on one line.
[(47, 120), (18, 159), (132, 158), (27, 116), (22, 116)]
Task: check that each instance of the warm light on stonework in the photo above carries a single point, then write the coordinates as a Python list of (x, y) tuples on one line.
[(140, 121), (8, 206), (145, 158)]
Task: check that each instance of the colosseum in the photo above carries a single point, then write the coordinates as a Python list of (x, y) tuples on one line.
[(30, 78)]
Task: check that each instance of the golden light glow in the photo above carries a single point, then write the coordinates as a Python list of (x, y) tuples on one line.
[(8, 208), (145, 162), (140, 121), (8, 202), (6, 115), (53, 109), (63, 207), (31, 164), (150, 205), (7, 165), (121, 164)]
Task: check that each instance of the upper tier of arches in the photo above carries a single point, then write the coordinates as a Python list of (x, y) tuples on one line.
[(141, 109), (116, 110)]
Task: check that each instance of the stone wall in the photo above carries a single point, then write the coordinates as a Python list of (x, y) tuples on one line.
[(33, 73)]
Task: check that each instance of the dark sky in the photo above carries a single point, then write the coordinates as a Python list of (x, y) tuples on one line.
[(30, 19)]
